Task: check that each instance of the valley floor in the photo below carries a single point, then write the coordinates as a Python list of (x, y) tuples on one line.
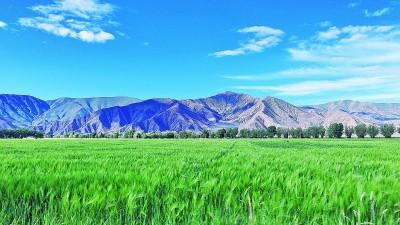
[(200, 181)]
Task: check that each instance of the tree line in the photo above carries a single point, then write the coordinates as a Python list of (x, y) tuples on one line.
[(335, 130), (20, 133)]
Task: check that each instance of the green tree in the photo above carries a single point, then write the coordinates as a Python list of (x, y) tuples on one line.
[(296, 133), (314, 131), (138, 135), (361, 130), (322, 131), (232, 132), (349, 131), (271, 131), (221, 133), (388, 130), (205, 134), (129, 133), (279, 132), (244, 133), (335, 130), (372, 131)]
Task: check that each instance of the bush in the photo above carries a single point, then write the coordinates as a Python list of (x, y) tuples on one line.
[(388, 130), (361, 130)]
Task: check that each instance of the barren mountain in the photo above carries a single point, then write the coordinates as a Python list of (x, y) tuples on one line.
[(20, 110), (150, 115), (228, 109), (354, 112), (69, 114)]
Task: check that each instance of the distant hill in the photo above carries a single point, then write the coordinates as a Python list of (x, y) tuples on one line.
[(355, 112), (227, 109), (68, 114), (18, 111)]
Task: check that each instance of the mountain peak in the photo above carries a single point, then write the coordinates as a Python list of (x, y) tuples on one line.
[(227, 109)]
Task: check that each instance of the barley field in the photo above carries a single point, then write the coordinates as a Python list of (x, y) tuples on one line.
[(229, 182)]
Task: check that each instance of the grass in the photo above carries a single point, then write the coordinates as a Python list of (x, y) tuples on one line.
[(200, 182)]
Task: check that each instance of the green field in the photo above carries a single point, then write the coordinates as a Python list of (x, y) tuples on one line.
[(200, 182)]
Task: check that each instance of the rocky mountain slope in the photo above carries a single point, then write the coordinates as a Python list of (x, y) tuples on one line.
[(228, 109), (68, 114), (18, 111)]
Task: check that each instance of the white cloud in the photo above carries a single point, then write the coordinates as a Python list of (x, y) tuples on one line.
[(313, 87), (377, 13), (78, 19), (352, 5), (321, 72), (86, 9), (352, 45), (2, 24), (264, 37), (332, 33), (325, 24), (352, 59)]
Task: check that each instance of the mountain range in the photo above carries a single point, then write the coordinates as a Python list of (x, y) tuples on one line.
[(87, 115)]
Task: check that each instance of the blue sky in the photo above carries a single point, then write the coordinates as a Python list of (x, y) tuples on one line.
[(304, 52)]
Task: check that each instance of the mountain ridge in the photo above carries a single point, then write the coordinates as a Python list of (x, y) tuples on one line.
[(228, 109)]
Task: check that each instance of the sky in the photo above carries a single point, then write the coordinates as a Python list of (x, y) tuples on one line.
[(304, 52)]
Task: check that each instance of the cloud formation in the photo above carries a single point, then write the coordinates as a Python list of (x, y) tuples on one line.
[(339, 59), (360, 45), (377, 13), (313, 87), (352, 5), (263, 37), (78, 19), (2, 24)]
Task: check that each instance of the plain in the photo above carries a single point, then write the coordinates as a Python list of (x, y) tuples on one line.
[(237, 181)]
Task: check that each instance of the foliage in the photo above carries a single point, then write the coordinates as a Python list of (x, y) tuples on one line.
[(20, 133), (271, 131), (232, 132), (373, 131), (349, 131), (361, 130), (388, 130), (296, 133), (335, 130)]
